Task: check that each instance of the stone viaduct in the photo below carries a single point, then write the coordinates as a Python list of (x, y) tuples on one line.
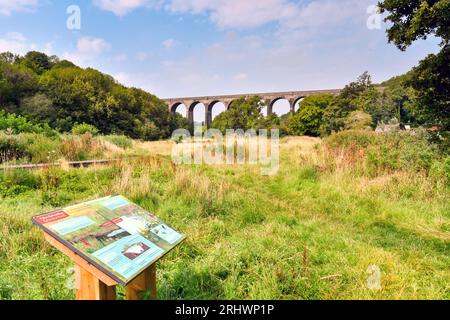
[(269, 100)]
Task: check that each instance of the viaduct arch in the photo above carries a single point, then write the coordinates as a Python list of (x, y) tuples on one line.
[(269, 99)]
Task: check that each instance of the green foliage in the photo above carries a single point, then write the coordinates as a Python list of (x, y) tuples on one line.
[(251, 236), (397, 100), (19, 124), (11, 148), (413, 20), (83, 128), (358, 120), (37, 61), (335, 115), (244, 113), (431, 78), (447, 169), (120, 141), (37, 107), (352, 138), (390, 151), (16, 182), (57, 92), (308, 120), (16, 82)]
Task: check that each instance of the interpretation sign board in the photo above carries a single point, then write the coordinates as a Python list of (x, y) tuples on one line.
[(114, 234)]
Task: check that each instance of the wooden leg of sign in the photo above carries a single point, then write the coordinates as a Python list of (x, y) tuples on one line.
[(89, 287), (144, 286)]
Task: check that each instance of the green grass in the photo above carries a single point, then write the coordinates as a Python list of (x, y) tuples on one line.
[(309, 232)]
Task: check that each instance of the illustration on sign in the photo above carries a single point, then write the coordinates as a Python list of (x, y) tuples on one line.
[(116, 235)]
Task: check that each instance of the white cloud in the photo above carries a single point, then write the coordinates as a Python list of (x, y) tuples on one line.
[(48, 48), (327, 13), (91, 45), (123, 7), (9, 6), (169, 43), (121, 58), (14, 42), (256, 13), (141, 56), (88, 49), (240, 77), (237, 13), (288, 14), (122, 77)]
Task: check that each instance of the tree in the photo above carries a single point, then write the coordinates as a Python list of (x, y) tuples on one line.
[(334, 116), (37, 107), (37, 61), (354, 89), (419, 19), (395, 101), (45, 89), (432, 84), (8, 57), (244, 113), (309, 118), (16, 82)]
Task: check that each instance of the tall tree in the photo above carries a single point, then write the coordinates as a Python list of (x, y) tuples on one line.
[(418, 19), (244, 113)]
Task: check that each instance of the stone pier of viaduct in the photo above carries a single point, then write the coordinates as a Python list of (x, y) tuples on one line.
[(269, 100)]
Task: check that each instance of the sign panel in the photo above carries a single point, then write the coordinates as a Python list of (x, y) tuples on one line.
[(114, 234)]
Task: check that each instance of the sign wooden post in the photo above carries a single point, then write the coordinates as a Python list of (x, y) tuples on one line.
[(93, 284), (89, 287), (143, 284), (111, 241)]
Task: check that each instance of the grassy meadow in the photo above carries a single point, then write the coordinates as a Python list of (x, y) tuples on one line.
[(310, 232)]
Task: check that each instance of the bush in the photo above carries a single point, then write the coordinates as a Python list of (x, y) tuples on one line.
[(12, 148), (18, 181), (447, 169), (80, 148), (358, 120), (83, 128), (388, 151), (120, 141), (19, 124), (356, 138), (41, 148)]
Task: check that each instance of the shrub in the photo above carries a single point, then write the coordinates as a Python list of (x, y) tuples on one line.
[(11, 147), (79, 148), (349, 138), (41, 148), (387, 151), (358, 120), (120, 141), (83, 128), (16, 182), (19, 124)]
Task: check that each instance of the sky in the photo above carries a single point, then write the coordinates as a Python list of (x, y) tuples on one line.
[(176, 48)]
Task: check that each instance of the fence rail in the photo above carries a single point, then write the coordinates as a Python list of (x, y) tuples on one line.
[(74, 164)]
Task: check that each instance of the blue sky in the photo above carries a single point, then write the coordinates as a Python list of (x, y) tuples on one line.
[(208, 47)]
